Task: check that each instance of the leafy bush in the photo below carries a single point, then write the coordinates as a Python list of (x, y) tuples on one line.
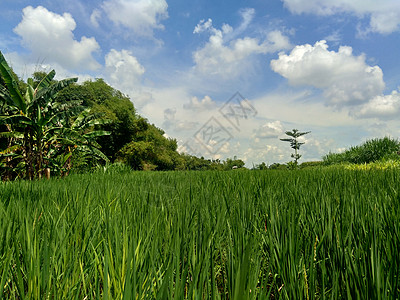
[(370, 151), (278, 166)]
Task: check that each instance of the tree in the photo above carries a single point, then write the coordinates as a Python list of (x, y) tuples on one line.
[(234, 163), (132, 140), (124, 123), (294, 143), (262, 166), (38, 127)]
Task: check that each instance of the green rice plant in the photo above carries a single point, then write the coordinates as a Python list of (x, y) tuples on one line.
[(378, 165), (319, 233)]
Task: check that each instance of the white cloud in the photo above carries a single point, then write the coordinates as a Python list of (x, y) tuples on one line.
[(94, 17), (141, 16), (268, 153), (226, 56), (50, 37), (269, 130), (169, 117), (203, 26), (175, 124), (384, 14), (382, 106), (335, 37), (344, 78), (247, 15), (186, 126), (382, 129), (123, 70), (23, 66), (204, 104), (142, 98), (386, 22)]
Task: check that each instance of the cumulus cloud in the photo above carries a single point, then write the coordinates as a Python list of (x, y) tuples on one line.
[(123, 70), (225, 55), (171, 121), (269, 130), (50, 37), (385, 22), (344, 78), (142, 99), (382, 106), (24, 67), (204, 104), (384, 14), (141, 16), (192, 146), (268, 153), (203, 25)]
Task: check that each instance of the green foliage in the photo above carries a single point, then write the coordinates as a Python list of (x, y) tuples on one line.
[(295, 145), (135, 154), (150, 150), (126, 137), (234, 163), (262, 166), (112, 105), (40, 132), (370, 151), (132, 140), (318, 234), (377, 165), (292, 165), (194, 163), (278, 166)]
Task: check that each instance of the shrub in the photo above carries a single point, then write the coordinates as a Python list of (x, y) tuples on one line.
[(278, 166), (370, 151)]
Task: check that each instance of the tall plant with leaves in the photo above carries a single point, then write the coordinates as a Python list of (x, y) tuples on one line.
[(295, 144), (80, 137), (38, 126)]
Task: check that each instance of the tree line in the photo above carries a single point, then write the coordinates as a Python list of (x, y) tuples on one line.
[(59, 126)]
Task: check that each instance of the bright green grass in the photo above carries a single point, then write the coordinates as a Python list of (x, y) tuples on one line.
[(324, 234)]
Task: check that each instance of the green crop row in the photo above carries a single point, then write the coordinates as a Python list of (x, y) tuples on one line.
[(307, 234)]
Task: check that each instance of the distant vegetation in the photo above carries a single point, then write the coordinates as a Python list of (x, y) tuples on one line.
[(370, 151), (63, 127), (379, 153)]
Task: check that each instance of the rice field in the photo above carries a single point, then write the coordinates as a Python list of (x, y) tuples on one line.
[(307, 234)]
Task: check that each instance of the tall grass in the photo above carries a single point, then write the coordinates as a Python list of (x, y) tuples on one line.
[(324, 234)]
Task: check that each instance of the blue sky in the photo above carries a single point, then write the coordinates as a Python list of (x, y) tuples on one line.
[(326, 66)]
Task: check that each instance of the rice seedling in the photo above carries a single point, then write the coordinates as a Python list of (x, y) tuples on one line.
[(307, 234)]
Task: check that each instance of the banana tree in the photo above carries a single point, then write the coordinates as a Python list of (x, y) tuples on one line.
[(80, 137), (37, 122)]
